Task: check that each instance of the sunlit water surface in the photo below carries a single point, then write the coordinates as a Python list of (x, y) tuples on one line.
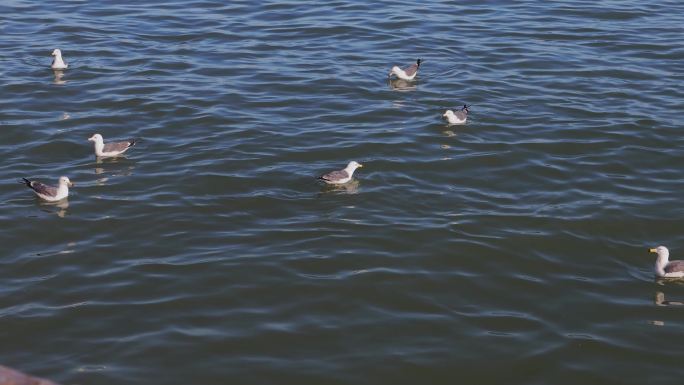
[(509, 250)]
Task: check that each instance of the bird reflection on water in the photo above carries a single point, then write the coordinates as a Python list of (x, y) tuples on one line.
[(113, 166), (402, 85), (59, 207), (59, 74), (351, 187), (661, 301)]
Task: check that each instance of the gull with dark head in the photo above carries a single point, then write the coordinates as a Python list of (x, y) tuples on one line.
[(458, 116), (665, 268), (50, 193), (341, 176), (408, 73), (58, 63), (110, 149)]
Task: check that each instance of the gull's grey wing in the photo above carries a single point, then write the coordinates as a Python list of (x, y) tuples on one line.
[(411, 69), (41, 188), (118, 146), (460, 114), (335, 175), (674, 267)]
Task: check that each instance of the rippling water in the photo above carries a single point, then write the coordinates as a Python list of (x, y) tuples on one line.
[(512, 249)]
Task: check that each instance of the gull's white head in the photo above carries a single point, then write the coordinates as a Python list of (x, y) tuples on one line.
[(57, 52), (64, 181), (97, 138), (353, 165), (448, 113), (662, 252)]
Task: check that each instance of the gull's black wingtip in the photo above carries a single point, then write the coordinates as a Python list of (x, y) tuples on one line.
[(26, 182)]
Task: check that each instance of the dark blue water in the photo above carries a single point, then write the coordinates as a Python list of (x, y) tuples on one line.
[(512, 249)]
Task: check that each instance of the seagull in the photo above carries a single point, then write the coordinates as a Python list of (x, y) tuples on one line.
[(58, 63), (110, 149), (341, 176), (15, 377), (50, 193), (458, 117), (408, 73), (665, 269)]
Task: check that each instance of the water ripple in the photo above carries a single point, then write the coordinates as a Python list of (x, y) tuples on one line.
[(496, 249)]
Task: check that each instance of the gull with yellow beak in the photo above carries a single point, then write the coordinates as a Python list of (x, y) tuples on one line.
[(664, 267), (341, 176), (50, 193), (111, 149)]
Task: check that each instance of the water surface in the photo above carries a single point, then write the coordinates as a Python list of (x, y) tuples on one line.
[(512, 249)]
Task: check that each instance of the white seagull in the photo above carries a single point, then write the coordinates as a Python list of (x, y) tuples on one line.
[(408, 73), (50, 193), (58, 63), (458, 117), (110, 149), (341, 176), (665, 268)]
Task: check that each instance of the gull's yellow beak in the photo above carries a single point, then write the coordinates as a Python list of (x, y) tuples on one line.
[(360, 165), (652, 250)]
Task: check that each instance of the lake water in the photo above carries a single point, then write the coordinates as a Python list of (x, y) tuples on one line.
[(510, 250)]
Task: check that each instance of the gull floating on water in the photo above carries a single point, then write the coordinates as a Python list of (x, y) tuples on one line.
[(458, 117), (341, 176), (110, 149), (58, 63), (50, 193), (408, 73), (666, 268), (14, 377)]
